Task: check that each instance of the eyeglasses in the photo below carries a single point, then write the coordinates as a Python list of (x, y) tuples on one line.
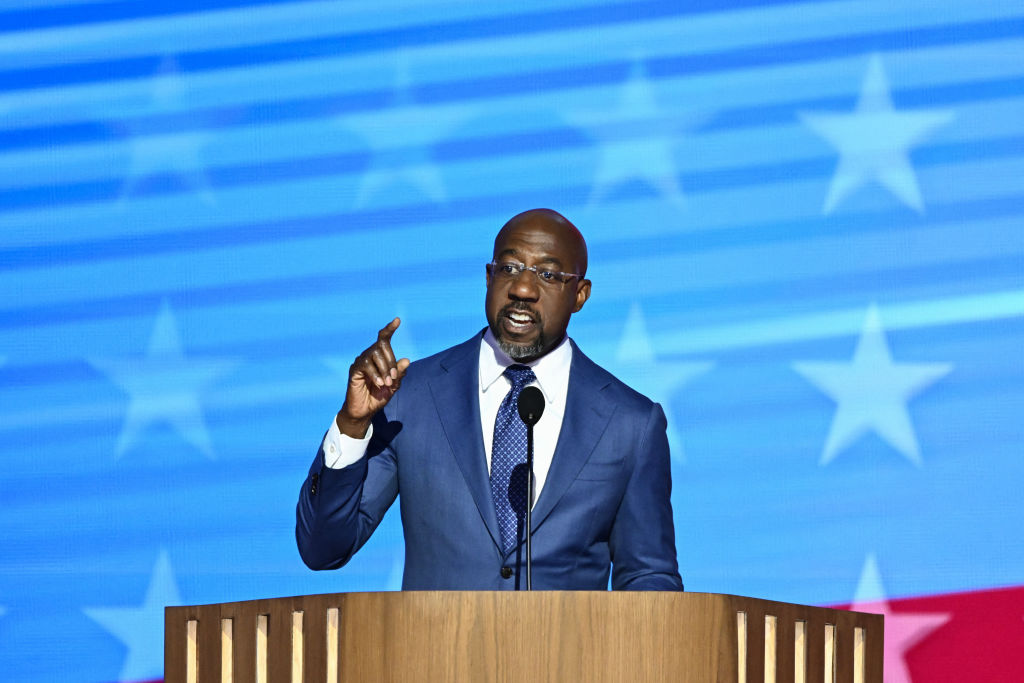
[(506, 271)]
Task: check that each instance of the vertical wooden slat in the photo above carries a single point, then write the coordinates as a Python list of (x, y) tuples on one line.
[(755, 645), (815, 639), (314, 640), (741, 646), (770, 648), (208, 643), (332, 645), (800, 651), (859, 652), (262, 636), (297, 652), (784, 647), (192, 651), (279, 642), (843, 661), (243, 617), (874, 646), (175, 635), (830, 653), (227, 634)]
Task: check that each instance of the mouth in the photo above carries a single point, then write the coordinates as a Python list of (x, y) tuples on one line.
[(518, 322)]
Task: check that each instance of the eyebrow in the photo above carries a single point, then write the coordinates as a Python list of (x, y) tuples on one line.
[(543, 259)]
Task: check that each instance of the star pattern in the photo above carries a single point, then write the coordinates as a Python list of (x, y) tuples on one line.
[(400, 139), (874, 141), (871, 392), (141, 628), (636, 365), (164, 386), (173, 154), (902, 630), (637, 140), (123, 152)]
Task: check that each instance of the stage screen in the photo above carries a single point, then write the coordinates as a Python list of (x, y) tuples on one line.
[(806, 233)]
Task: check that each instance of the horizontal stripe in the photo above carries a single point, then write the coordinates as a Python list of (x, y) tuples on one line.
[(352, 44), (734, 270), (383, 100), (485, 59), (698, 181), (358, 42), (84, 12)]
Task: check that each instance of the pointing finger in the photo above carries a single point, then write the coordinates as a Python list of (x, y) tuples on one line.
[(388, 330)]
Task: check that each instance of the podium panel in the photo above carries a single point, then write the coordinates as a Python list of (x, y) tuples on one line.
[(543, 636)]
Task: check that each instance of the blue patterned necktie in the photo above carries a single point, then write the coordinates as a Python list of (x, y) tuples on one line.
[(507, 451)]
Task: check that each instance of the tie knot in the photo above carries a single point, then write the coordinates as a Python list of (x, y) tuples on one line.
[(520, 376)]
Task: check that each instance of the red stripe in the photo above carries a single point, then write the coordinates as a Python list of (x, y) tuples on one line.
[(983, 641)]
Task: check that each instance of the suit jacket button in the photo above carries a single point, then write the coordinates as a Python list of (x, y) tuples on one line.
[(506, 572), (312, 487)]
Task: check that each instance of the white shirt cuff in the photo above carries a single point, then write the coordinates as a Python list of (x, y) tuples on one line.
[(341, 450)]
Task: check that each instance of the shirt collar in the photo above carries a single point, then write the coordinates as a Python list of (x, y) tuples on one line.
[(551, 369)]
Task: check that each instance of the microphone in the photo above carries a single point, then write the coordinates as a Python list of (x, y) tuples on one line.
[(531, 407)]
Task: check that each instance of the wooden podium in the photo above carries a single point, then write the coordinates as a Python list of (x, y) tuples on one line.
[(562, 636)]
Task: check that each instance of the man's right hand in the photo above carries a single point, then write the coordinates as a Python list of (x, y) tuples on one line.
[(373, 379)]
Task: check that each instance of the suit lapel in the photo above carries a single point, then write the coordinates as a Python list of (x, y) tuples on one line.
[(456, 398), (587, 415)]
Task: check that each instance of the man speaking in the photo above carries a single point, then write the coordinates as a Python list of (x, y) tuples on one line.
[(444, 433)]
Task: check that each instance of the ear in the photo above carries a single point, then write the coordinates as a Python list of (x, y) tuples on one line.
[(582, 294)]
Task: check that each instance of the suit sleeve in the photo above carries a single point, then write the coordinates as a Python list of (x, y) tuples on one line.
[(339, 509), (642, 542)]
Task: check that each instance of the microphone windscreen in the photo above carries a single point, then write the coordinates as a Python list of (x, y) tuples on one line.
[(531, 405)]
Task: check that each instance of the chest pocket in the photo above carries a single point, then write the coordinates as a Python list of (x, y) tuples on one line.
[(600, 471)]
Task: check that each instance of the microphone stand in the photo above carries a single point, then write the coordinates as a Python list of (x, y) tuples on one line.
[(531, 406), (529, 506)]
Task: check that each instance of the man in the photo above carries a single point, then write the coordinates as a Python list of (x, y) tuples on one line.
[(442, 432)]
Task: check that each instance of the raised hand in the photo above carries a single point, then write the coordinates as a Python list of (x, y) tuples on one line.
[(373, 379)]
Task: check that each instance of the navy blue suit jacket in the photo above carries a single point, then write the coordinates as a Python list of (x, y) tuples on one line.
[(604, 506)]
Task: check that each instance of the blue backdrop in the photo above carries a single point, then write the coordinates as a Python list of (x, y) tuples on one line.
[(806, 228)]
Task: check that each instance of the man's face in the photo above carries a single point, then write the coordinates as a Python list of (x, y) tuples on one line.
[(526, 317)]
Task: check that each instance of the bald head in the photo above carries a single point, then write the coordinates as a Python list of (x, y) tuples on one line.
[(558, 226)]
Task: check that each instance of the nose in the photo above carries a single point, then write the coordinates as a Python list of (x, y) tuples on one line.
[(525, 287)]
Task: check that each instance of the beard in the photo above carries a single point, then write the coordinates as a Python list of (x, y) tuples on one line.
[(522, 351)]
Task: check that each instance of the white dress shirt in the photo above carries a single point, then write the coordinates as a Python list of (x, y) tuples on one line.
[(552, 371)]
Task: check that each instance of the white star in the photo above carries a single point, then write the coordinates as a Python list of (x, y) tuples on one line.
[(175, 154), (636, 365), (141, 628), (164, 386), (400, 138), (636, 141), (874, 140), (902, 630), (872, 392)]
